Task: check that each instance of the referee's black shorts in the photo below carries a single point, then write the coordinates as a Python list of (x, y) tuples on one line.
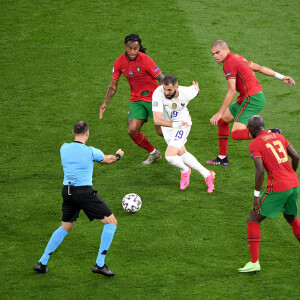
[(85, 198)]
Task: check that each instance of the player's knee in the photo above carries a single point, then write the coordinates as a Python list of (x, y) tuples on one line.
[(170, 159), (132, 132), (289, 218)]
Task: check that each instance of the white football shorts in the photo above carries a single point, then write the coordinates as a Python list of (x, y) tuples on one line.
[(176, 137)]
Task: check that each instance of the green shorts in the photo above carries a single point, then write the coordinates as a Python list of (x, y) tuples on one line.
[(272, 203), (140, 110), (249, 107)]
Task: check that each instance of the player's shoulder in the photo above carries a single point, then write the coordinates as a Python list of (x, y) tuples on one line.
[(144, 59), (122, 58), (159, 91)]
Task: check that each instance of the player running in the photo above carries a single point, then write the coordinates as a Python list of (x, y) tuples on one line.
[(142, 74), (270, 151), (170, 111), (251, 100)]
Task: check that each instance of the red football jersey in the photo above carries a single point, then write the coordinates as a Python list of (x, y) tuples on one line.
[(272, 148), (140, 73), (237, 66)]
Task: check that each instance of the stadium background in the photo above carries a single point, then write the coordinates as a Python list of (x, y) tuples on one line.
[(56, 62)]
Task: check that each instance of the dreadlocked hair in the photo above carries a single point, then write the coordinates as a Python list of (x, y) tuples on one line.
[(135, 38)]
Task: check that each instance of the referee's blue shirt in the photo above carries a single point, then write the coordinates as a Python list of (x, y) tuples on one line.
[(78, 163)]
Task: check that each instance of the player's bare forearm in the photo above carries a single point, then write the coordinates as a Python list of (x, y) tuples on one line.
[(228, 98), (294, 155), (260, 173), (269, 72), (160, 78), (111, 90), (109, 94)]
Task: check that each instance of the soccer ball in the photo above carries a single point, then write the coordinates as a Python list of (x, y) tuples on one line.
[(132, 202)]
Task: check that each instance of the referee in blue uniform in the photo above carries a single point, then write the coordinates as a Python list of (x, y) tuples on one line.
[(78, 163)]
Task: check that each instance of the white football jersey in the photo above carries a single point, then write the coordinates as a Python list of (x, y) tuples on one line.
[(174, 109)]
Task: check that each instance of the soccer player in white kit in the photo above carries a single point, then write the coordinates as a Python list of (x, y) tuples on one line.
[(169, 106)]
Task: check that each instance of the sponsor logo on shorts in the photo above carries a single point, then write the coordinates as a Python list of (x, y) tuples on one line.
[(155, 104), (227, 74), (156, 70), (130, 73)]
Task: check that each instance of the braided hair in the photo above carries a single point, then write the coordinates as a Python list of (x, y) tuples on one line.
[(135, 38)]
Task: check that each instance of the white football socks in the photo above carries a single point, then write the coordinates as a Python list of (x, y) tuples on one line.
[(190, 160), (177, 162)]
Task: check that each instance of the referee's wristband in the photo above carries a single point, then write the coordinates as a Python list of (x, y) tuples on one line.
[(118, 156), (279, 76), (256, 193)]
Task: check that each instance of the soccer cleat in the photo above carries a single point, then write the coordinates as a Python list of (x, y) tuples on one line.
[(275, 130), (219, 161), (185, 179), (102, 270), (152, 158), (40, 268), (250, 267), (210, 181)]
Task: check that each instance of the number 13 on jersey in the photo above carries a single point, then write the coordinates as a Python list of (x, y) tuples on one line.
[(279, 149)]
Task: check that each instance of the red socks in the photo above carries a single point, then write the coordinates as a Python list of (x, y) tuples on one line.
[(253, 236), (243, 134), (141, 140), (223, 135), (296, 228)]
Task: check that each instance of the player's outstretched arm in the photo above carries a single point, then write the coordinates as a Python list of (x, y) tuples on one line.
[(111, 90), (231, 84), (267, 71), (108, 159)]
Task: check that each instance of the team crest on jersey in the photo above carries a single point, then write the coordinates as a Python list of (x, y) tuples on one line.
[(174, 105), (155, 104), (130, 73), (138, 69)]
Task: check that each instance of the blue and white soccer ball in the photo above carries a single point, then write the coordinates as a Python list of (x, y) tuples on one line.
[(132, 203)]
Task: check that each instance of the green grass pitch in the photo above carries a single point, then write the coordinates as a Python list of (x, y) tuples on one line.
[(56, 61)]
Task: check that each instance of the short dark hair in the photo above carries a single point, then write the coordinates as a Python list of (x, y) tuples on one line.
[(170, 79), (220, 43), (81, 127), (133, 37)]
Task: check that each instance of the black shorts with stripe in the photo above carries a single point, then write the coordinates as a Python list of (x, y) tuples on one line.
[(83, 198)]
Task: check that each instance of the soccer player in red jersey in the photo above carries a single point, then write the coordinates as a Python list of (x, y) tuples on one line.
[(270, 151), (251, 100), (142, 74)]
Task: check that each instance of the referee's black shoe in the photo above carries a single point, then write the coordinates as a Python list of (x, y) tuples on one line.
[(40, 268), (102, 270)]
